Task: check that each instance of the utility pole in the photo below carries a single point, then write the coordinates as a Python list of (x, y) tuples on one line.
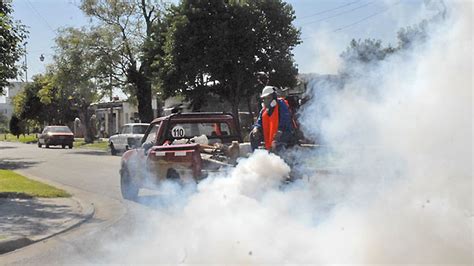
[(26, 63)]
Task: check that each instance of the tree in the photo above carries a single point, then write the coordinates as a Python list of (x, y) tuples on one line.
[(80, 72), (15, 126), (131, 25), (362, 56), (219, 47), (12, 34), (3, 123), (411, 35), (366, 51), (42, 102)]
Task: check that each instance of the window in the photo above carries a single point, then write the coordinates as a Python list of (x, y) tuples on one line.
[(139, 129), (126, 130), (151, 137), (60, 129), (189, 130)]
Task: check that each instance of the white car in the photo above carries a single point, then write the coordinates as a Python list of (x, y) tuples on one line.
[(129, 136)]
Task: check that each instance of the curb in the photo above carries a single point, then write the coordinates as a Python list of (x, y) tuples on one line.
[(12, 244)]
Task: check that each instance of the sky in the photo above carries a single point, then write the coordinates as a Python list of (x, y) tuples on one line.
[(327, 26)]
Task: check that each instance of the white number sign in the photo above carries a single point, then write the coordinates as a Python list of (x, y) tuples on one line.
[(178, 132)]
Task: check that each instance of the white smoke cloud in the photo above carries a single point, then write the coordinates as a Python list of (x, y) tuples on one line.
[(399, 188), (327, 52)]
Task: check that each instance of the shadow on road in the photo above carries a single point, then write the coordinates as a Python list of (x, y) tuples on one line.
[(164, 201), (7, 147), (90, 152), (33, 217), (16, 163)]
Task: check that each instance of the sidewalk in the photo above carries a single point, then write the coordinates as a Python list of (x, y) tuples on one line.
[(26, 221)]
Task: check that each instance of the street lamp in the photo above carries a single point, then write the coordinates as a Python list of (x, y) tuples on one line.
[(26, 63)]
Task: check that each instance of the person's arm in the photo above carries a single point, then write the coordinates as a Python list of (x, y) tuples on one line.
[(258, 123)]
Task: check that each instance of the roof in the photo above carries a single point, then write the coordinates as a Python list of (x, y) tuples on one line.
[(57, 126), (137, 124), (197, 115)]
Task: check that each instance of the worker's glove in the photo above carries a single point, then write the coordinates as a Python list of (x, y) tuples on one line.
[(254, 132)]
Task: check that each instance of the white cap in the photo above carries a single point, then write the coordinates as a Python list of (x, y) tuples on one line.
[(267, 91)]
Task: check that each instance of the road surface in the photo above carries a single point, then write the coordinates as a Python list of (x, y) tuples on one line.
[(89, 175)]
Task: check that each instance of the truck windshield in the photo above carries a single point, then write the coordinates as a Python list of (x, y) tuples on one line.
[(189, 130)]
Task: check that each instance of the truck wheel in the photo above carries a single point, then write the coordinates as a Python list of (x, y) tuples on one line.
[(127, 187), (47, 146), (39, 144), (70, 145), (113, 151), (63, 146)]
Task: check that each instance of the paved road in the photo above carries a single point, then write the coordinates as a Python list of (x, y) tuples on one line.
[(89, 175)]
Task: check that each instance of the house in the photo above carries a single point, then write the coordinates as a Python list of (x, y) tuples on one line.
[(110, 116), (6, 102)]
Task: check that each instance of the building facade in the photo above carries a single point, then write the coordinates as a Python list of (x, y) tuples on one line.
[(6, 102)]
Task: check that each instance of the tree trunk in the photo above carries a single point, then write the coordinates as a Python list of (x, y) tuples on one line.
[(235, 113), (145, 110), (249, 106), (85, 117), (143, 93)]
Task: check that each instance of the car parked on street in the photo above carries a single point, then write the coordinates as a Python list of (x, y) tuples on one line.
[(56, 135), (129, 136)]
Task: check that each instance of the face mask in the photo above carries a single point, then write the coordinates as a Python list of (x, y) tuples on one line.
[(273, 103), (269, 103)]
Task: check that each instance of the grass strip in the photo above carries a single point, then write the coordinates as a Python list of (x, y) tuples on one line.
[(27, 138), (11, 182), (97, 145)]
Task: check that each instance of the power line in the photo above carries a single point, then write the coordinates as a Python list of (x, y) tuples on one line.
[(365, 18), (339, 14), (329, 10), (358, 21), (40, 16)]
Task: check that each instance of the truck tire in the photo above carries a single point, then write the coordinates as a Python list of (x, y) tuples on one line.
[(113, 151), (127, 187), (70, 145), (39, 144)]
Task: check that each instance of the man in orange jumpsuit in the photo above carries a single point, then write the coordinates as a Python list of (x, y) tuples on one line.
[(274, 124)]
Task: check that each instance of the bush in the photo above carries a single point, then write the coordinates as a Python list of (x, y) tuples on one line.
[(15, 126)]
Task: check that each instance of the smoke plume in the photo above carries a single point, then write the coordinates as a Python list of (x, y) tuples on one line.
[(392, 182)]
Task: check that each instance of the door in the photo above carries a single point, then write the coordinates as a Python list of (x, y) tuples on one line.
[(127, 132)]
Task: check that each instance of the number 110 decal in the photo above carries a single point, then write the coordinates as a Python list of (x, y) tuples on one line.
[(178, 132)]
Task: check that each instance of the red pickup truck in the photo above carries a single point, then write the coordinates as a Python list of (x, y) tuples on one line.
[(184, 147)]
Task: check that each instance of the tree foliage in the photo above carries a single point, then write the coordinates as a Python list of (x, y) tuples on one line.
[(82, 71), (42, 102), (219, 47), (12, 34), (131, 25), (15, 126), (3, 123), (366, 51)]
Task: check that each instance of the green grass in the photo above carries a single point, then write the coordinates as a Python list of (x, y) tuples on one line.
[(13, 182), (28, 138), (97, 145)]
